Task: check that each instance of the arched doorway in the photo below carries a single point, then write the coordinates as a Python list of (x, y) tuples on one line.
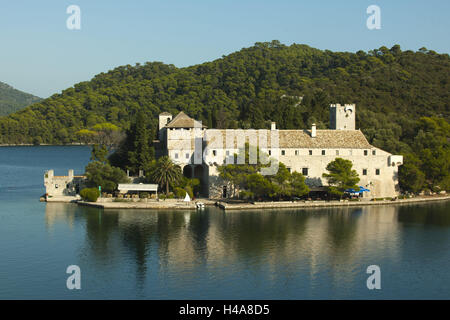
[(199, 172), (188, 171)]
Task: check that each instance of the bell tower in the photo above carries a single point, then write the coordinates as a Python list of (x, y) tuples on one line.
[(164, 119), (342, 117)]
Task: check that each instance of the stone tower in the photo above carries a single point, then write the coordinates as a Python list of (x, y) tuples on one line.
[(164, 119), (342, 117)]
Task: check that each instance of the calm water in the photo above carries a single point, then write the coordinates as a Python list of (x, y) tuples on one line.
[(289, 254)]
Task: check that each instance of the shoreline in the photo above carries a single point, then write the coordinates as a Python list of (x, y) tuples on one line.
[(180, 205), (325, 204), (140, 205), (44, 145)]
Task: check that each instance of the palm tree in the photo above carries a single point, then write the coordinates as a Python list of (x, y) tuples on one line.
[(166, 172)]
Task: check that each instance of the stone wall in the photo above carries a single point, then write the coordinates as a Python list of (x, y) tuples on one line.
[(366, 162), (70, 185)]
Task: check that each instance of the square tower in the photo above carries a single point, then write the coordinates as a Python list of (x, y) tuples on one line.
[(164, 119), (342, 117)]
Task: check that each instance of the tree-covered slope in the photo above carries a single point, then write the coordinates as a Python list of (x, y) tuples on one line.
[(391, 88), (12, 100)]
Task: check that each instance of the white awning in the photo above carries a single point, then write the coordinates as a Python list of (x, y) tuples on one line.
[(137, 187)]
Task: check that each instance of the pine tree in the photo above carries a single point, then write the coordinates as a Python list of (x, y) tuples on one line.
[(139, 137)]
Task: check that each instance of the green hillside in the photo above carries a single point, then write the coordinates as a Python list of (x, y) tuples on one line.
[(12, 100), (392, 89)]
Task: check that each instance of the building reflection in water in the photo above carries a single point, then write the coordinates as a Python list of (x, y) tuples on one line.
[(59, 213), (281, 244)]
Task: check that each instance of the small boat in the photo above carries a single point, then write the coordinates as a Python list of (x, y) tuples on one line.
[(200, 205)]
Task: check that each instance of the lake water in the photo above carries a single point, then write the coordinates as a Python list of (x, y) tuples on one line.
[(146, 254)]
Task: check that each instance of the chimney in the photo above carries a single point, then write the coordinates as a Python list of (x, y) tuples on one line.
[(313, 131), (273, 126), (71, 174)]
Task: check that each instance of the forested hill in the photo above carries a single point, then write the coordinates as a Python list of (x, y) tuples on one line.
[(392, 89), (12, 100)]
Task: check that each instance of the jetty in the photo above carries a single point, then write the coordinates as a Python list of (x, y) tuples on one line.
[(323, 203)]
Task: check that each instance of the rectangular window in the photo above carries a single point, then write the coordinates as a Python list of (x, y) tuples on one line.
[(366, 152), (305, 171), (323, 152), (310, 152), (283, 152), (187, 155), (377, 172), (176, 155), (214, 153), (364, 172), (374, 152), (337, 152), (289, 169), (270, 152), (228, 153), (296, 152), (350, 152)]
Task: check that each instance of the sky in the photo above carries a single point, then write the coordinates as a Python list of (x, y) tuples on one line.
[(40, 55)]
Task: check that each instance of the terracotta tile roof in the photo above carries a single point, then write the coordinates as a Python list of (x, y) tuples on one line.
[(348, 139), (325, 139), (182, 120), (301, 139)]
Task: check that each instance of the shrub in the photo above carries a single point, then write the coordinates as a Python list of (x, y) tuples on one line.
[(90, 194), (246, 195), (104, 175), (180, 193)]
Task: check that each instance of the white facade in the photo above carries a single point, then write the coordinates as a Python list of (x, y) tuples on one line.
[(305, 151), (69, 185)]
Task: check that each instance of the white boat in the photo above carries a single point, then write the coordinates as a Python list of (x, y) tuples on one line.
[(200, 205)]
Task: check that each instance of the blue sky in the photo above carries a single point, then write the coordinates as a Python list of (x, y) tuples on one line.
[(40, 55)]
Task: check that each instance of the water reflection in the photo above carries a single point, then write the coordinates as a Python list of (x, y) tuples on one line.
[(59, 213), (334, 245)]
